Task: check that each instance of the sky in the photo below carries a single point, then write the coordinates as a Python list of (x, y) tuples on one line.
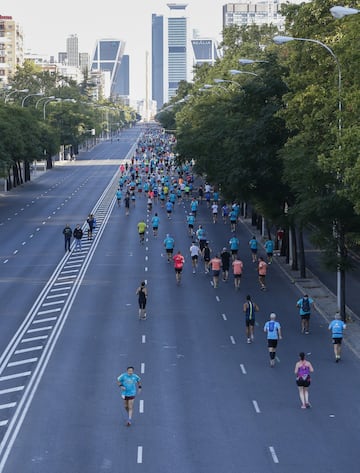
[(47, 23)]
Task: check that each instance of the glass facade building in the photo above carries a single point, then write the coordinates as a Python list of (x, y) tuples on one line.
[(177, 42), (157, 59), (107, 58)]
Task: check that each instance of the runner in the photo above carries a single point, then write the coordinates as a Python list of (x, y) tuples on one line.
[(155, 224), (262, 269), (302, 370), (119, 197), (215, 264), (141, 229), (194, 253), (201, 236), (142, 294), (206, 254), (304, 305), (253, 247), (234, 246), (269, 248), (273, 331), (190, 221), (127, 203), (128, 382), (225, 263), (214, 209), (337, 327), (179, 261), (169, 243), (249, 309), (237, 266), (169, 208)]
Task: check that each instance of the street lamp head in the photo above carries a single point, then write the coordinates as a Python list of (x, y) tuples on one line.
[(339, 12), (208, 86), (24, 91), (282, 39), (245, 61), (235, 72), (219, 81)]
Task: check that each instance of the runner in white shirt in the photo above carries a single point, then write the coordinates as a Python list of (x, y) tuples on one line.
[(194, 253), (214, 209)]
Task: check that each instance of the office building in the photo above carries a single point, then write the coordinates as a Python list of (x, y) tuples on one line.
[(107, 58), (157, 60), (124, 76), (84, 62), (11, 48), (255, 12), (205, 51), (72, 50), (178, 44), (171, 53), (62, 57)]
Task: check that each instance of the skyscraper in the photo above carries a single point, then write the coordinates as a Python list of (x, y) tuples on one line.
[(177, 39), (205, 51), (72, 49), (170, 52), (107, 58), (124, 76), (157, 59)]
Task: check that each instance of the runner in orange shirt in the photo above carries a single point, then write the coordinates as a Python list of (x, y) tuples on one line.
[(215, 264), (237, 271), (262, 268)]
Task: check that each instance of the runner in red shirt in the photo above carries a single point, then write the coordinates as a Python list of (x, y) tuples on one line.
[(179, 261)]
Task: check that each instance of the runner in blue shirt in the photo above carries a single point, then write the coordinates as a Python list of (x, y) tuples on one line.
[(253, 247), (169, 208), (269, 248), (128, 382), (234, 246), (273, 331), (169, 243), (155, 224), (190, 221), (337, 327)]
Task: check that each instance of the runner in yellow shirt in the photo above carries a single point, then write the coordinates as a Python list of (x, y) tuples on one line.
[(141, 229)]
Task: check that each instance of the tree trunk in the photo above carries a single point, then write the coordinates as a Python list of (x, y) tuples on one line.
[(302, 253), (294, 265)]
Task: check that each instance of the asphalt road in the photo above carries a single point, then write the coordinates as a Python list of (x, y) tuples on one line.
[(210, 401)]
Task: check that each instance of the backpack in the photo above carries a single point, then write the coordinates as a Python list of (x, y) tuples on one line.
[(303, 372), (305, 305)]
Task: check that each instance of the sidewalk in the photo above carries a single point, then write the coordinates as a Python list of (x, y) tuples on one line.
[(324, 300)]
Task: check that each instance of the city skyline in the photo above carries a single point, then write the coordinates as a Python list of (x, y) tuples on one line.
[(127, 20)]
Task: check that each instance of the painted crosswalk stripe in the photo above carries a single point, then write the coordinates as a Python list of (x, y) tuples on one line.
[(23, 362), (16, 375), (12, 390)]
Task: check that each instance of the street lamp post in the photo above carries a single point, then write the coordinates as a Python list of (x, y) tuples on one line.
[(48, 101), (337, 228), (43, 98), (244, 61), (226, 81), (30, 95), (19, 91)]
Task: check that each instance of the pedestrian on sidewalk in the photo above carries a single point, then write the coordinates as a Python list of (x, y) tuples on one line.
[(78, 234), (129, 382), (249, 309), (262, 270), (302, 370), (304, 305), (337, 327), (67, 232), (91, 225), (142, 294), (273, 334)]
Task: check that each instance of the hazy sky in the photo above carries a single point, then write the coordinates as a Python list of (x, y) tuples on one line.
[(47, 24)]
